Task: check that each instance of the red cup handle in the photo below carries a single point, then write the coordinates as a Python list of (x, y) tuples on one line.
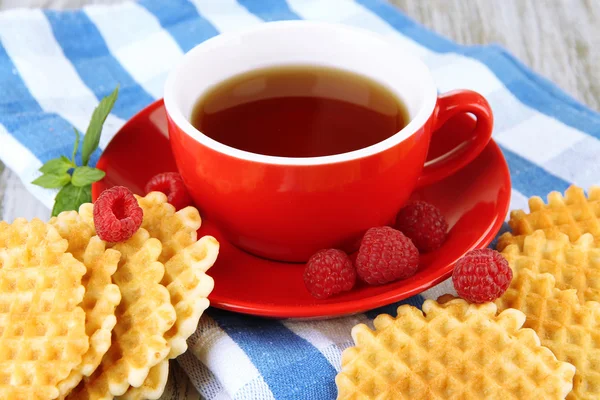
[(448, 105)]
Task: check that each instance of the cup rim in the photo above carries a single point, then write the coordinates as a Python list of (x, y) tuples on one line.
[(176, 115)]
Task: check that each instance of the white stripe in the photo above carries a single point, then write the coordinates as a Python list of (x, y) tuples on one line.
[(203, 380), (226, 15), (136, 39), (350, 13), (50, 77), (330, 337), (23, 163), (531, 138), (518, 201), (508, 110), (215, 349), (578, 164), (448, 71), (221, 396), (445, 287)]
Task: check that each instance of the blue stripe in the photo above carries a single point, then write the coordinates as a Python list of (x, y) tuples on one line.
[(530, 179), (181, 19), (269, 10), (46, 135), (410, 28), (85, 48), (529, 88), (391, 309), (292, 367)]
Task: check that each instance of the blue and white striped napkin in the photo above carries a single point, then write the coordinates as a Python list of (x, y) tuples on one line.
[(55, 66)]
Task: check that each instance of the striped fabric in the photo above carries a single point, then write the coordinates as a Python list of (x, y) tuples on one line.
[(55, 66)]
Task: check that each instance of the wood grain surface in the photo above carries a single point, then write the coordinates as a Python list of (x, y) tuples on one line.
[(558, 38)]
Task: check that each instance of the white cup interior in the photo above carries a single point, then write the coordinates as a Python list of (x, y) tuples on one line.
[(300, 43)]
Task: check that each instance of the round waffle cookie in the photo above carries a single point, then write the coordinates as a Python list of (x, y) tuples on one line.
[(154, 385), (175, 230), (451, 351), (43, 336), (572, 214), (186, 262), (569, 328)]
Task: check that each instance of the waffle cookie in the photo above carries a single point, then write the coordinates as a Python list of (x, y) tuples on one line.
[(175, 230), (566, 326), (143, 316), (572, 214), (101, 295), (573, 265), (43, 327), (454, 351), (154, 385), (186, 262)]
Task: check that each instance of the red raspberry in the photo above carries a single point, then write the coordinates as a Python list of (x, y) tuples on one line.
[(171, 184), (386, 255), (424, 224), (329, 272), (117, 214), (481, 275)]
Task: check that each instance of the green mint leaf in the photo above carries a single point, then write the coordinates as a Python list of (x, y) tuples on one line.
[(57, 166), (76, 145), (52, 181), (92, 134), (83, 176), (71, 197)]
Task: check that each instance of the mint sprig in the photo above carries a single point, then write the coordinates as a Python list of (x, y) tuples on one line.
[(70, 197), (83, 176), (92, 134), (75, 181)]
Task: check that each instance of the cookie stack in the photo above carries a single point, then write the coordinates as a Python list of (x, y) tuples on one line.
[(554, 254), (85, 319), (540, 339)]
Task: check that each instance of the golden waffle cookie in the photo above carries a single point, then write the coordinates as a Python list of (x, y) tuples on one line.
[(143, 316), (189, 287), (573, 265), (101, 295), (86, 213), (186, 262), (572, 214), (567, 327), (454, 351), (42, 327), (175, 230), (153, 386)]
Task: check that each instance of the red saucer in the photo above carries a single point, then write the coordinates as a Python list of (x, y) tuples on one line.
[(474, 201)]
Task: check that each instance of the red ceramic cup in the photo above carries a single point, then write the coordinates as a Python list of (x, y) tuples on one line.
[(288, 208)]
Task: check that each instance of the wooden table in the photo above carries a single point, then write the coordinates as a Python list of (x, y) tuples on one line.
[(558, 38)]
